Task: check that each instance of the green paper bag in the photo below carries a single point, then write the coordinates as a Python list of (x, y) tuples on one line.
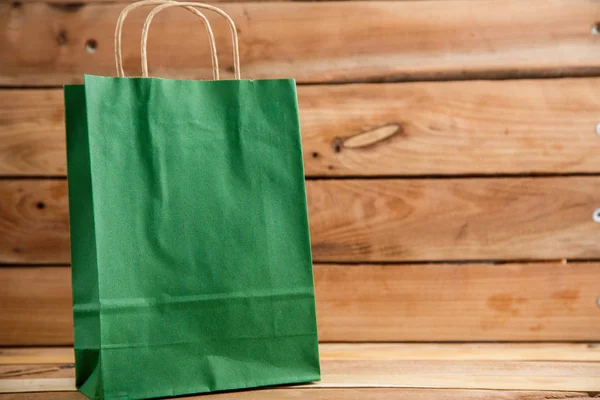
[(190, 245)]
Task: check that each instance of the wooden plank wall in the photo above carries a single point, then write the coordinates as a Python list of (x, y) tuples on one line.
[(451, 151)]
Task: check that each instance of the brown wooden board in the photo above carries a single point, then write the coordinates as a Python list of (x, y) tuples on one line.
[(45, 44), (531, 302), (36, 306), (454, 219), (370, 371), (32, 133), (342, 394), (481, 127), (372, 220), (34, 221), (554, 351), (439, 302)]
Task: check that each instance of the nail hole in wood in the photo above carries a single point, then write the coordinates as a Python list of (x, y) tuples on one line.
[(596, 29), (91, 45), (40, 205), (17, 4), (337, 145), (61, 38), (315, 154), (67, 7)]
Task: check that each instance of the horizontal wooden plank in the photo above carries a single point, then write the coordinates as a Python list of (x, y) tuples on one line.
[(42, 44), (366, 371), (36, 306), (34, 221), (32, 133), (530, 302), (428, 351), (36, 355), (476, 127), (341, 394), (557, 351), (454, 219), (26, 372), (516, 302), (471, 375), (372, 220)]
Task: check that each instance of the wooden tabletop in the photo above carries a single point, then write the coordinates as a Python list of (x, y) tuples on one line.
[(369, 371)]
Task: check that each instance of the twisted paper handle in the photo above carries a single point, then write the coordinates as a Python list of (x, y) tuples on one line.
[(126, 10), (234, 36)]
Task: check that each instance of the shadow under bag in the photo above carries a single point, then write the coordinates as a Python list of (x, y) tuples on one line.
[(190, 246)]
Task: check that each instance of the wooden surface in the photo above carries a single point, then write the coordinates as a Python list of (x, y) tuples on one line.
[(507, 375), (458, 302), (424, 226), (36, 306), (342, 394), (439, 302), (32, 133), (441, 128), (42, 44), (361, 366), (372, 220), (556, 351), (34, 221), (454, 219)]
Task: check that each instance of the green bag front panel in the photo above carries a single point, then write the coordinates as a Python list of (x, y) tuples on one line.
[(200, 230)]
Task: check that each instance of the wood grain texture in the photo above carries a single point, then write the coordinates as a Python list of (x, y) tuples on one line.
[(471, 375), (557, 351), (36, 355), (376, 373), (513, 302), (42, 44), (36, 306), (46, 371), (32, 133), (445, 128), (341, 394), (480, 127), (530, 302), (372, 220), (454, 219), (34, 221)]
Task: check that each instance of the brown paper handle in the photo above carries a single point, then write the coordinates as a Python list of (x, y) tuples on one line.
[(211, 37), (119, 34), (119, 31), (234, 36)]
